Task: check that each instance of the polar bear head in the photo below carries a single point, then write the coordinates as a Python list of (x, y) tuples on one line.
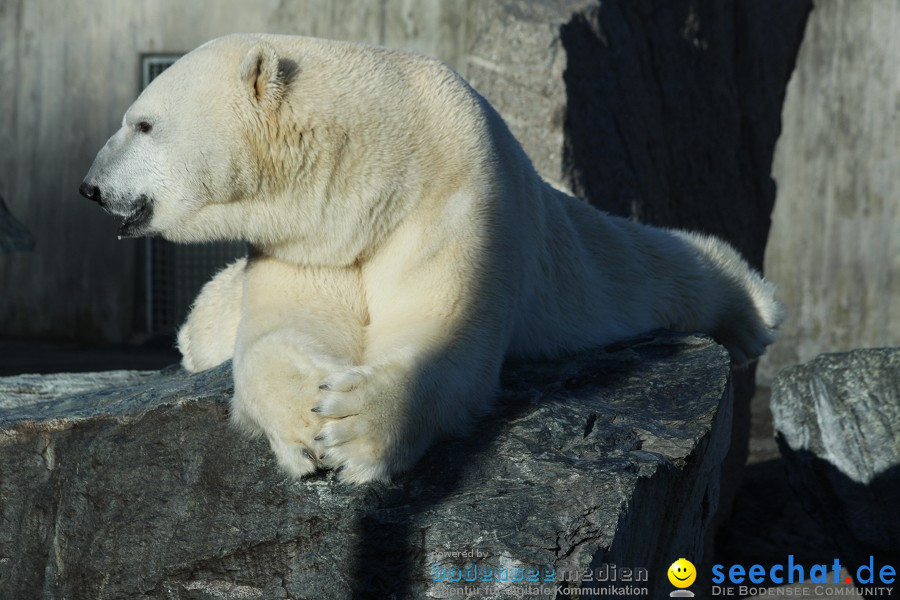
[(308, 149), (181, 144)]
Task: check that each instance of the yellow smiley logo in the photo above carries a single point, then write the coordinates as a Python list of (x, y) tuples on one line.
[(682, 573)]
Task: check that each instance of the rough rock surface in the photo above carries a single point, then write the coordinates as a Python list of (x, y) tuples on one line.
[(143, 490), (666, 111), (837, 420)]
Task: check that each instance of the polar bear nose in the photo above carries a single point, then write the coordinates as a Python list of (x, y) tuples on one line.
[(91, 192)]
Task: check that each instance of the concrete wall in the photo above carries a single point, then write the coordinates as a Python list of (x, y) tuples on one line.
[(68, 71), (834, 246)]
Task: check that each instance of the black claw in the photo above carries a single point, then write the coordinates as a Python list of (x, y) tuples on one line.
[(309, 455), (316, 409), (325, 387), (339, 469), (319, 437), (321, 457)]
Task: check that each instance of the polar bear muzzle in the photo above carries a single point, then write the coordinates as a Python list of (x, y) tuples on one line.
[(136, 213), (135, 224)]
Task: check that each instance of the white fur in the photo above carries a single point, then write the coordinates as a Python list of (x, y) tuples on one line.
[(207, 338), (403, 247)]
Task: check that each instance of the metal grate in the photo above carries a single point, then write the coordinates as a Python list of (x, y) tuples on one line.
[(174, 273), (154, 64)]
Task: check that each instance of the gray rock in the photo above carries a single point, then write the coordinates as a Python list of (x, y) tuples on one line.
[(837, 420), (517, 61), (666, 111), (143, 490), (47, 392), (14, 237)]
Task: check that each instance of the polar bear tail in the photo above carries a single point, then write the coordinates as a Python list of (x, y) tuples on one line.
[(744, 314)]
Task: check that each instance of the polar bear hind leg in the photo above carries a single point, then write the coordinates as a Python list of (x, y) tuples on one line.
[(605, 278), (746, 315)]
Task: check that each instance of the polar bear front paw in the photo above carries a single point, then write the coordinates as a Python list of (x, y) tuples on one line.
[(296, 458), (276, 382), (364, 409)]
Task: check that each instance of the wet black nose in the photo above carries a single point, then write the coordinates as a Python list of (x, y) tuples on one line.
[(91, 192)]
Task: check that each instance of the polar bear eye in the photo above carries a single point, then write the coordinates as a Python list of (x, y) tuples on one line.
[(143, 127)]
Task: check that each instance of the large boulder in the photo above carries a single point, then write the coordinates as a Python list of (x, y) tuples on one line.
[(665, 111), (837, 420), (132, 484)]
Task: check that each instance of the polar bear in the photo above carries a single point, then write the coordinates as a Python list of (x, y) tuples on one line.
[(402, 247)]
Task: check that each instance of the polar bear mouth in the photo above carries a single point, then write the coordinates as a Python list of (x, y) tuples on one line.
[(134, 224)]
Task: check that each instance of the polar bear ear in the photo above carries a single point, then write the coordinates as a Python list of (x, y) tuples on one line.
[(264, 76)]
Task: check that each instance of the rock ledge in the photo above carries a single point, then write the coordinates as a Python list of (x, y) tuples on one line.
[(142, 489)]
